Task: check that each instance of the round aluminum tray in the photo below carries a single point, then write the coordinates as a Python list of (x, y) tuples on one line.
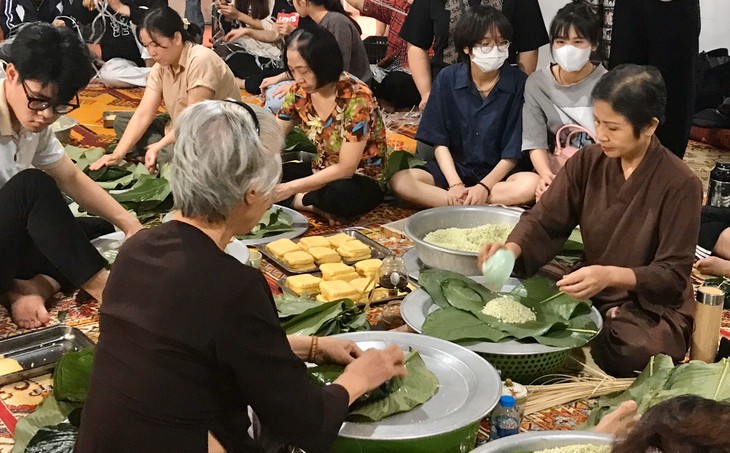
[(418, 304), (414, 265), (114, 240), (469, 388), (300, 226), (542, 440), (420, 224)]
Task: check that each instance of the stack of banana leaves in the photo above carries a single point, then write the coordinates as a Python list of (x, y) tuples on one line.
[(305, 316), (148, 196)]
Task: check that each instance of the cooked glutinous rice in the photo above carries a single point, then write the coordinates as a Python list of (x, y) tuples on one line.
[(468, 239), (583, 448), (507, 309)]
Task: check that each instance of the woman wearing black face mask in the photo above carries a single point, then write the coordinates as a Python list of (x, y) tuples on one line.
[(473, 118)]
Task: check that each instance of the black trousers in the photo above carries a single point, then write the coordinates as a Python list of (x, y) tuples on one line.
[(666, 35), (345, 198), (399, 89), (713, 222), (39, 235), (244, 66)]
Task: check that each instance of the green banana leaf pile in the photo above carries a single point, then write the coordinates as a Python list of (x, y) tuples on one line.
[(661, 380), (148, 196), (274, 221), (305, 316), (562, 321), (572, 250), (400, 394), (52, 427)]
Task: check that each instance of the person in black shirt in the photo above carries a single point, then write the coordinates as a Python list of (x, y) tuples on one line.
[(17, 12), (190, 337), (432, 22), (112, 24)]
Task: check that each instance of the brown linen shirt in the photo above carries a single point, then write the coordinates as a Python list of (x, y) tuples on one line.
[(189, 340), (198, 67), (648, 223)]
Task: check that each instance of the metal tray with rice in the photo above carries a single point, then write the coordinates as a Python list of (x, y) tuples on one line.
[(429, 220)]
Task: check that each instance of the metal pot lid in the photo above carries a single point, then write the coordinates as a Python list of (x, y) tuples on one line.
[(114, 241), (300, 225), (469, 388), (418, 305), (543, 440)]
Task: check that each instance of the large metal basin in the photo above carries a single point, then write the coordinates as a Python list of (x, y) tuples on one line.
[(465, 263), (537, 441)]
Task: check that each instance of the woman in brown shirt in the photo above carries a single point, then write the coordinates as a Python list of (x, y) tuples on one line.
[(190, 338), (638, 208)]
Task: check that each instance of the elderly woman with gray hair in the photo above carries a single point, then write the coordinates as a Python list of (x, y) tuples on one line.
[(190, 338)]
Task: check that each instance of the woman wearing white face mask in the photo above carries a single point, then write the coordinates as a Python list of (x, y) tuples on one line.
[(474, 120), (559, 95)]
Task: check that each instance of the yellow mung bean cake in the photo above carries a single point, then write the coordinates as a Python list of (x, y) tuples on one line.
[(314, 241), (324, 255), (281, 247), (369, 267), (338, 239), (304, 283), (299, 260), (337, 289)]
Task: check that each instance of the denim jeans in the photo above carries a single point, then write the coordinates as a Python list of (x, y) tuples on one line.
[(194, 13)]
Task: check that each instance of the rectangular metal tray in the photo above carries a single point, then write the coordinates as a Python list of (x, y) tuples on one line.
[(39, 351), (376, 251), (284, 288)]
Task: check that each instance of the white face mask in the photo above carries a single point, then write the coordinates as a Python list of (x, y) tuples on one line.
[(572, 58), (489, 61)]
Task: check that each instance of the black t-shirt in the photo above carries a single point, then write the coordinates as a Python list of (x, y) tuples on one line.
[(428, 24)]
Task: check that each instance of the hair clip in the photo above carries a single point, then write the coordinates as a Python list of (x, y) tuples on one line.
[(186, 23)]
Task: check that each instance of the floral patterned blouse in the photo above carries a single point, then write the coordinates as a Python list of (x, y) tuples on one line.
[(355, 118)]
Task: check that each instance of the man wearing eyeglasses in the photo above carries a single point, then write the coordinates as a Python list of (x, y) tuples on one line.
[(42, 248)]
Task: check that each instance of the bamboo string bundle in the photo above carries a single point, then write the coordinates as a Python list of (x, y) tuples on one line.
[(562, 389)]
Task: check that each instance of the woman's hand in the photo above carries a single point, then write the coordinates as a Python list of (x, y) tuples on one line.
[(371, 369), (107, 160), (491, 248), (236, 34), (455, 195), (283, 191), (586, 282), (228, 10), (150, 157), (476, 195), (333, 350), (542, 186), (284, 28), (621, 421), (281, 90)]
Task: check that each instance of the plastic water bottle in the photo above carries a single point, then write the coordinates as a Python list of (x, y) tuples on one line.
[(505, 418)]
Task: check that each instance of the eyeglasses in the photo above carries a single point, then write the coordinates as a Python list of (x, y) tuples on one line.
[(250, 111), (486, 47), (39, 104)]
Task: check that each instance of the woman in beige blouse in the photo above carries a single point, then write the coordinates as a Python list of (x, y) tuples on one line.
[(184, 74)]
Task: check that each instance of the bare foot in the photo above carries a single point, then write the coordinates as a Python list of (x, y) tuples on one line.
[(298, 205), (28, 301), (96, 284), (713, 265)]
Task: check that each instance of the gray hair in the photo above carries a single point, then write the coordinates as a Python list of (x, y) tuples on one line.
[(219, 157)]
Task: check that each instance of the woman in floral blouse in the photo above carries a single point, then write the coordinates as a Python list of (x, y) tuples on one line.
[(341, 117)]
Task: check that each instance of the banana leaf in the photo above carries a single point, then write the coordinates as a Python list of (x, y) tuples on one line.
[(60, 438), (309, 317), (562, 321), (50, 412), (72, 375), (274, 221), (297, 140), (458, 326), (402, 393), (329, 372), (148, 194), (83, 157), (661, 381), (400, 160), (572, 250)]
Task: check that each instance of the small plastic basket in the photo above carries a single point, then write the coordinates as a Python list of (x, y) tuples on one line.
[(526, 368)]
